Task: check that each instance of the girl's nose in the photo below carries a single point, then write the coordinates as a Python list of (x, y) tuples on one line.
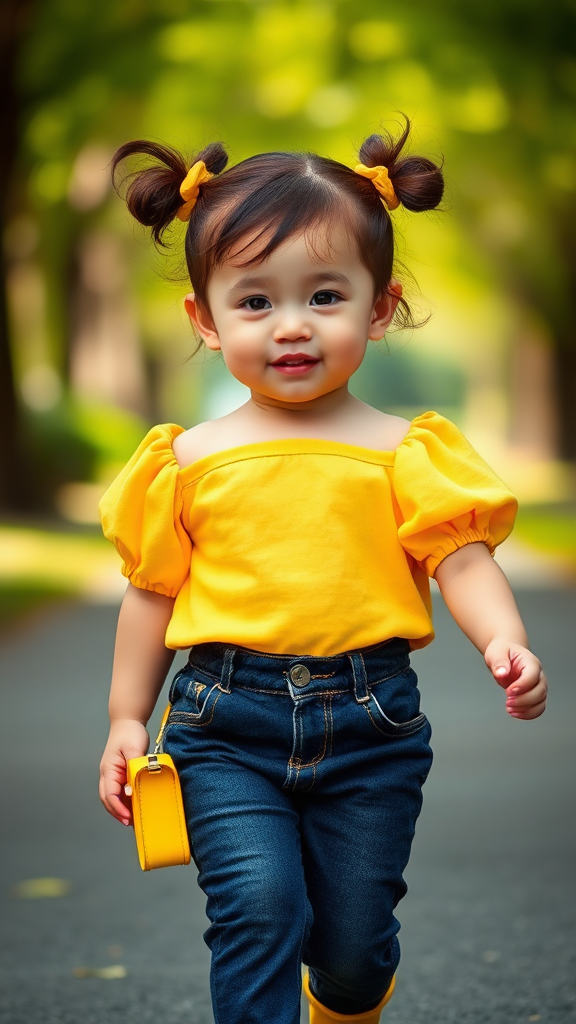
[(292, 326)]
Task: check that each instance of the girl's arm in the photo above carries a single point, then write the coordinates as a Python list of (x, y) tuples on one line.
[(480, 600), (141, 662)]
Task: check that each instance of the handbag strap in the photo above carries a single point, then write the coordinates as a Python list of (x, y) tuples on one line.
[(162, 727)]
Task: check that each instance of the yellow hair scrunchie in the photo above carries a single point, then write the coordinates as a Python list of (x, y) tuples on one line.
[(190, 187), (381, 180)]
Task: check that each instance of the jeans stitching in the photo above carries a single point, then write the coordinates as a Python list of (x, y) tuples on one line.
[(294, 761), (401, 730), (214, 997), (342, 691), (313, 675), (293, 657), (360, 684), (291, 759), (198, 668), (269, 693), (188, 718), (322, 693), (320, 757), (217, 678), (307, 788), (397, 725), (298, 964), (385, 679)]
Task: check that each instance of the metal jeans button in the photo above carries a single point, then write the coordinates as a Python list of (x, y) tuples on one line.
[(300, 675)]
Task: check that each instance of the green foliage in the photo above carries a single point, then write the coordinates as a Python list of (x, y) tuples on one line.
[(77, 441), (551, 528), (57, 452), (490, 85), (397, 378), (21, 597)]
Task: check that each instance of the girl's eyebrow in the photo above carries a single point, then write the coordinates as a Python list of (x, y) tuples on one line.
[(328, 275), (260, 281), (252, 281)]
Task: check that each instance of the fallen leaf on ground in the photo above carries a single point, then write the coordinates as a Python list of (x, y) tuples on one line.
[(41, 888), (107, 973), (490, 956)]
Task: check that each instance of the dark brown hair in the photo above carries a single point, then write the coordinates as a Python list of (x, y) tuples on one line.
[(256, 205)]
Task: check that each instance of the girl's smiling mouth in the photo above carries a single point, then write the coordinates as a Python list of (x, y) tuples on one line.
[(295, 363)]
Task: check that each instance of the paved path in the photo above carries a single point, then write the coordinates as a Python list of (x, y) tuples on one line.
[(488, 924)]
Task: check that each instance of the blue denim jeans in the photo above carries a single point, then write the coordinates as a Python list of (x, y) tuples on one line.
[(302, 781)]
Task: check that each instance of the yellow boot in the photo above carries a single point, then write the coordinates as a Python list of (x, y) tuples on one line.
[(322, 1015)]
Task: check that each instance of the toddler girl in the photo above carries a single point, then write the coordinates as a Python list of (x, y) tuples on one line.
[(289, 545)]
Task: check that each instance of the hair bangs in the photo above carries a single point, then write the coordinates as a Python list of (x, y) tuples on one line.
[(262, 222)]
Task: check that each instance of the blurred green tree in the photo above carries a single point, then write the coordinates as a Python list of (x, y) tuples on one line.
[(494, 84), (14, 17)]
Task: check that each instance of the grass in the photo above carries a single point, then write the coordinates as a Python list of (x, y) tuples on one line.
[(38, 566), (549, 528), (19, 599)]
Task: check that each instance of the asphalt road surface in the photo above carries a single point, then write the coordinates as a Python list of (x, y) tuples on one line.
[(488, 923)]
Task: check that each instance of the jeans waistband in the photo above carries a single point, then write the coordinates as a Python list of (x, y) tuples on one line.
[(301, 675)]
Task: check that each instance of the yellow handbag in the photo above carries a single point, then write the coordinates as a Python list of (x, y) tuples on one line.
[(157, 810)]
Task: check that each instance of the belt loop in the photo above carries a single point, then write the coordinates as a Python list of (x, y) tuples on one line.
[(227, 664), (360, 679)]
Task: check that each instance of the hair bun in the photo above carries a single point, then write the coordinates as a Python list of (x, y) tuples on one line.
[(153, 192), (214, 156), (418, 182)]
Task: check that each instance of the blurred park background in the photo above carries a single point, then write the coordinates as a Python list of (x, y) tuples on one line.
[(95, 346)]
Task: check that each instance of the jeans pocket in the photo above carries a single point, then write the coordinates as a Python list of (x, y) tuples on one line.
[(175, 687), (394, 705), (196, 696)]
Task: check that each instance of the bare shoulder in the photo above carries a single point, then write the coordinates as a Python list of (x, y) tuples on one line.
[(195, 443), (206, 439), (386, 430), (395, 428)]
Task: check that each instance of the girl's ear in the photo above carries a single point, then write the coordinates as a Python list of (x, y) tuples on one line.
[(202, 322), (384, 309)]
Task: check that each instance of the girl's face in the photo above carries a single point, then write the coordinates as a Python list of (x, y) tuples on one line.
[(294, 327)]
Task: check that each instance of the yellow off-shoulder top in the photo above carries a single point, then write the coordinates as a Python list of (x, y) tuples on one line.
[(302, 546)]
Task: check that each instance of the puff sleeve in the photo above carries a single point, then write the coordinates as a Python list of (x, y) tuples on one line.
[(447, 495), (141, 515)]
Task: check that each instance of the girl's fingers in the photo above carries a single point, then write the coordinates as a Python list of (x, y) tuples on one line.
[(527, 704), (518, 671), (127, 739), (527, 714), (500, 659), (514, 668), (115, 806), (111, 792), (527, 698), (529, 677), (118, 809)]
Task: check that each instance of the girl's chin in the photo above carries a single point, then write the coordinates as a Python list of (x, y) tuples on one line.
[(294, 396)]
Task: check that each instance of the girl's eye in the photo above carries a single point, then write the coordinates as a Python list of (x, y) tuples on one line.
[(256, 303), (324, 299)]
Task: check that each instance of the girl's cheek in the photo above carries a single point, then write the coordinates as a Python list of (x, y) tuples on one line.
[(244, 364)]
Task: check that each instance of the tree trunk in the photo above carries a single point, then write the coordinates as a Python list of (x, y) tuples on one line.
[(565, 355), (14, 487)]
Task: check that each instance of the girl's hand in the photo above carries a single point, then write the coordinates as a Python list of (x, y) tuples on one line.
[(128, 738), (519, 672)]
